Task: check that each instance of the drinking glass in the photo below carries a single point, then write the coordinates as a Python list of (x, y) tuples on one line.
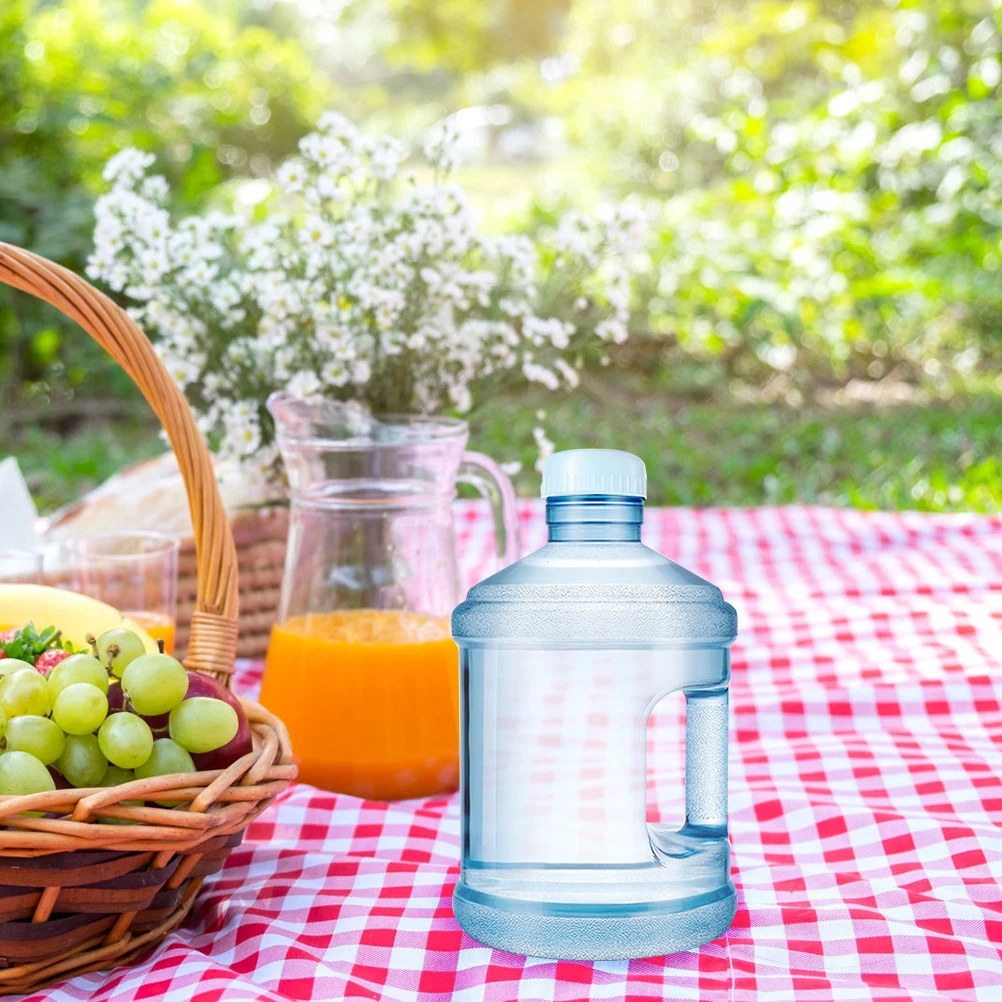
[(136, 572), (19, 566)]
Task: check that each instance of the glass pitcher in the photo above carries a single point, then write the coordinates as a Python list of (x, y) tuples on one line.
[(361, 664)]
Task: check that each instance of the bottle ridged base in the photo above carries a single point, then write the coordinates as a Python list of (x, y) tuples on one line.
[(532, 933)]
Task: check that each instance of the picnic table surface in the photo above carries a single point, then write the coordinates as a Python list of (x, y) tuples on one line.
[(865, 801)]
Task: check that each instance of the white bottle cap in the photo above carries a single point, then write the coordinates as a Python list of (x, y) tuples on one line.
[(594, 471)]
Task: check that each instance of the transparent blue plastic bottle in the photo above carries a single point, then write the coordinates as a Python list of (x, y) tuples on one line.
[(563, 655)]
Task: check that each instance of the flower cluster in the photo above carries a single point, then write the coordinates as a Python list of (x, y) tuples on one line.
[(361, 284)]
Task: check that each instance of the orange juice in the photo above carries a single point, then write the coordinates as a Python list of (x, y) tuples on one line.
[(371, 700), (158, 625)]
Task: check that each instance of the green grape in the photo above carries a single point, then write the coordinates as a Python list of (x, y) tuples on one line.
[(114, 776), (78, 668), (167, 757), (80, 708), (24, 692), (3, 723), (155, 684), (126, 740), (129, 647), (82, 761), (38, 736), (10, 665), (203, 724), (21, 773)]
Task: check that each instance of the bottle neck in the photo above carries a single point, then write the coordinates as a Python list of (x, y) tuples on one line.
[(594, 518)]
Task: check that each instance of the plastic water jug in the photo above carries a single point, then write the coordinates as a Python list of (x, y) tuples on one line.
[(563, 655)]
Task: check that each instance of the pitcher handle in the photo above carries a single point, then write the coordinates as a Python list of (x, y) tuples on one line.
[(486, 476)]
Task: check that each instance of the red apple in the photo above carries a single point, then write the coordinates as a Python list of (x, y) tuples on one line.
[(240, 744)]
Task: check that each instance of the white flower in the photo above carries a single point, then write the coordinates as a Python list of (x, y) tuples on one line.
[(515, 307), (152, 226), (127, 166), (459, 394), (386, 155), (117, 277), (324, 151), (99, 264), (153, 264), (575, 235), (291, 176), (224, 296), (357, 280), (569, 373), (316, 233), (545, 446), (538, 331), (335, 373), (325, 188), (612, 330), (304, 385), (359, 226), (183, 371), (333, 123), (540, 374), (243, 434), (155, 189)]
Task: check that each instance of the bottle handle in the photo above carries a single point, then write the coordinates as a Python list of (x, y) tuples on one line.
[(492, 482)]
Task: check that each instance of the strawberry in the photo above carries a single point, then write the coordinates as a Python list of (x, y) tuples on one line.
[(29, 645), (48, 660), (6, 637)]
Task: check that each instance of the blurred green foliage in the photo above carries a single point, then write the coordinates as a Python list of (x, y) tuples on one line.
[(829, 179), (825, 178), (461, 37), (59, 467), (79, 80)]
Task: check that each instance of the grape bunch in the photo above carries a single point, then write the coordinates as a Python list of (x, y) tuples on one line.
[(105, 718)]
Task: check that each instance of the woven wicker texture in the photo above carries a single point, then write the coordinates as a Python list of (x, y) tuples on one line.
[(96, 880), (260, 537)]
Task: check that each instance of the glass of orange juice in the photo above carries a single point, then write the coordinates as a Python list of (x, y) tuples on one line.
[(361, 665), (136, 572)]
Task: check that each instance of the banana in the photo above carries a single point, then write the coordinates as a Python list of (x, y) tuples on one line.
[(75, 615)]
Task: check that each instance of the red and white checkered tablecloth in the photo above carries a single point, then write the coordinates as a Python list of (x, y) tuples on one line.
[(865, 801)]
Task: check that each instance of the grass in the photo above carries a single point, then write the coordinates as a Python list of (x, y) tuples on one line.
[(939, 456), (59, 468)]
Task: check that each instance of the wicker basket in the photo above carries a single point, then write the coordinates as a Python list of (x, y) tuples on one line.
[(77, 895), (260, 538)]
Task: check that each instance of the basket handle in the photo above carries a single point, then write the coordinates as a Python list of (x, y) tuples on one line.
[(213, 639)]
